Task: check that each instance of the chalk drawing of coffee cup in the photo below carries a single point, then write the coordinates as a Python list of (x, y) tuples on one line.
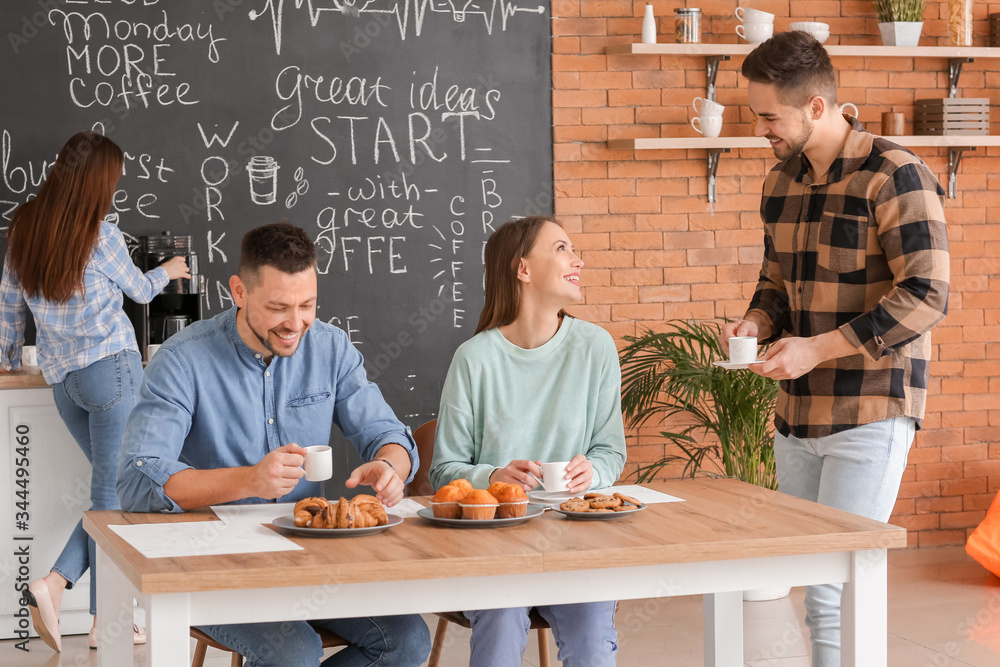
[(263, 172)]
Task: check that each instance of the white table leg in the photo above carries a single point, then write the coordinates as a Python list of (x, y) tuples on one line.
[(723, 614), (114, 614), (864, 611), (168, 630)]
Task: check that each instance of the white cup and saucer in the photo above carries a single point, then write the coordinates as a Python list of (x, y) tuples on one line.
[(742, 353), (555, 484)]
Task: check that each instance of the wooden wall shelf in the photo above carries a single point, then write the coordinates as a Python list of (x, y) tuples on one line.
[(715, 54)]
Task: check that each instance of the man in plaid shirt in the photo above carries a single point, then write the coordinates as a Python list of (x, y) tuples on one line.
[(854, 277)]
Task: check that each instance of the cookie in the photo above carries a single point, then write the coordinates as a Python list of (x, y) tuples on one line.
[(605, 502), (627, 499), (575, 505)]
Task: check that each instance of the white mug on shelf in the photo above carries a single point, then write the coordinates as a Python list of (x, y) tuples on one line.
[(709, 126), (29, 356), (748, 15), (707, 107), (755, 33)]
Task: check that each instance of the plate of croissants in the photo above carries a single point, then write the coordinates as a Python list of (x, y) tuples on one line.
[(319, 517)]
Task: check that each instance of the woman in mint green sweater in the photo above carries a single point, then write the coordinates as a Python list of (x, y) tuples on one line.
[(534, 385)]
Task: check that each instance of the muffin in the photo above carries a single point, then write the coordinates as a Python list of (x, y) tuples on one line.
[(479, 505), (512, 501), (445, 502), (463, 484), (495, 488)]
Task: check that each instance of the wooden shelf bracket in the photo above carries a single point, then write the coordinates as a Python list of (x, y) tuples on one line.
[(713, 170), (955, 71), (954, 159), (712, 66)]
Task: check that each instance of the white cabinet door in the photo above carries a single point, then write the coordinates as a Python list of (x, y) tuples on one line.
[(46, 484)]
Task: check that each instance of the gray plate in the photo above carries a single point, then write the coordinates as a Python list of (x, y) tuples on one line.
[(600, 516), (288, 523), (530, 513)]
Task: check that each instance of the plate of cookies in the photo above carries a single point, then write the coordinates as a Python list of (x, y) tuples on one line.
[(319, 517), (600, 506)]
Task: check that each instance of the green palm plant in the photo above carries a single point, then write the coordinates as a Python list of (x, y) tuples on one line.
[(670, 373)]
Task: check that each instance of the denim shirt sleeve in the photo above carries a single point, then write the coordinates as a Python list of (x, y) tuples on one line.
[(361, 412), (154, 436)]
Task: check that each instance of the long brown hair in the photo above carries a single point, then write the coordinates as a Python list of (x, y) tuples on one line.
[(504, 251), (52, 236)]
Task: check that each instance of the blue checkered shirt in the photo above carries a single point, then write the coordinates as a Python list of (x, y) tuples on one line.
[(91, 325)]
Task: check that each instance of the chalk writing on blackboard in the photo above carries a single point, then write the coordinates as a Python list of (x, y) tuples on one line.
[(408, 14)]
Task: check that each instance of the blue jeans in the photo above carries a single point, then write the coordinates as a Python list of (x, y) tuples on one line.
[(857, 471), (94, 403), (585, 634), (397, 641)]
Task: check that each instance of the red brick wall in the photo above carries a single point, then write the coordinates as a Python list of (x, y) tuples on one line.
[(655, 249)]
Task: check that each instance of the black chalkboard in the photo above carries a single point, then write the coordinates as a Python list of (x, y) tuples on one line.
[(398, 133)]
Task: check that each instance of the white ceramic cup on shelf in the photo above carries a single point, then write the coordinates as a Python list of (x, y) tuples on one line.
[(755, 33), (708, 126), (151, 349), (29, 356), (743, 349), (749, 15), (319, 463), (554, 476), (706, 107)]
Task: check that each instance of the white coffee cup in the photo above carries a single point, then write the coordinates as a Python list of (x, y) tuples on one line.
[(709, 126), (843, 109), (554, 476), (748, 15), (319, 463), (706, 107), (819, 31), (742, 349), (150, 351), (755, 33), (29, 356)]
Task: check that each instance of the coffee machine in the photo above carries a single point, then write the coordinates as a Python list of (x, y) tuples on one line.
[(180, 302)]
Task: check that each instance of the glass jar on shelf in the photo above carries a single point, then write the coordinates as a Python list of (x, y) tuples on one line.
[(959, 22), (687, 29)]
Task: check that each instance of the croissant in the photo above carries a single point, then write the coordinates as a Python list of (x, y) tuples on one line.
[(363, 511), (306, 509)]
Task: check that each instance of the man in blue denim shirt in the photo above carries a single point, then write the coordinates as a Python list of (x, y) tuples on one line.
[(223, 410)]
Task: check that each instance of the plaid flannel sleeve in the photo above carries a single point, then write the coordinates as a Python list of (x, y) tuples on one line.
[(909, 212)]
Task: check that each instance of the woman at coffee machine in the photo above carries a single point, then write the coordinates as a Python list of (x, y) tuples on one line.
[(70, 269), (533, 385)]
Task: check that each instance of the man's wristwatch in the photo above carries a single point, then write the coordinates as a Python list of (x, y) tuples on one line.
[(386, 461)]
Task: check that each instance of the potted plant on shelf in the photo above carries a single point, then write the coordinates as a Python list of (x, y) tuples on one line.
[(726, 418), (900, 21), (670, 374)]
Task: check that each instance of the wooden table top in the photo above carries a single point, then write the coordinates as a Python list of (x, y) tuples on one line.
[(23, 378), (722, 520)]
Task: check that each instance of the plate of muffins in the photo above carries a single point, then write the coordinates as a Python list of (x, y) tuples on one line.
[(460, 505)]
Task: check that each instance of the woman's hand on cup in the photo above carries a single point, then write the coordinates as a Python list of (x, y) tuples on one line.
[(525, 473), (176, 267), (580, 473)]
